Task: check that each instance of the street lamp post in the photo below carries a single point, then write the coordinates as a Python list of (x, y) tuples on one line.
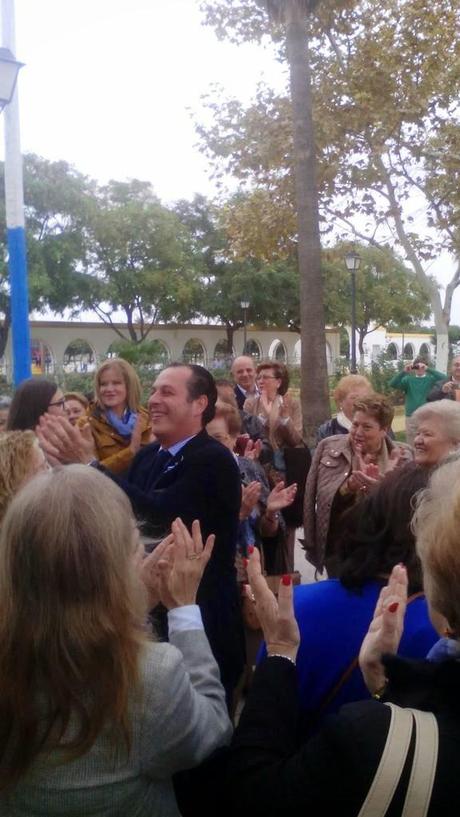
[(353, 260), (14, 198), (244, 307)]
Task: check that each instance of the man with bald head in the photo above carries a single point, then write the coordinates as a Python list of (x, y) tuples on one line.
[(244, 375)]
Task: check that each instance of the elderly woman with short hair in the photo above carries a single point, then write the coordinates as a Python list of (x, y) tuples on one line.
[(344, 468), (436, 427), (349, 388)]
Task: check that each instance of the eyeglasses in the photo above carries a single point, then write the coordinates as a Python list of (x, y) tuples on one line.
[(58, 403), (266, 377)]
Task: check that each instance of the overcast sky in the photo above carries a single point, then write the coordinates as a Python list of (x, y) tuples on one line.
[(109, 85)]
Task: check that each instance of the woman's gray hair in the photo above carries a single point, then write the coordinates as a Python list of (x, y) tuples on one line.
[(435, 524), (446, 411)]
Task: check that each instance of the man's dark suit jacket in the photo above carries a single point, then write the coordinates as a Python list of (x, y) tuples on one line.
[(240, 397), (201, 482)]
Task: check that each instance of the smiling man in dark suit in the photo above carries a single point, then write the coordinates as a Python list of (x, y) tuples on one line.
[(186, 473)]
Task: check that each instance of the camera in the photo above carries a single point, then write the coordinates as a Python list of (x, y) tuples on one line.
[(415, 366)]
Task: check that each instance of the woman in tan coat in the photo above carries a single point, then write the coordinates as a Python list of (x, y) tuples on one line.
[(118, 422), (344, 468)]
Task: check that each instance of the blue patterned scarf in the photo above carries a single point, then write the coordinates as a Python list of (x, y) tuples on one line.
[(123, 425)]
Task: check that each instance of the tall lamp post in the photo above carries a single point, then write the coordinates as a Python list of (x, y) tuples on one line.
[(244, 306), (353, 260), (14, 198)]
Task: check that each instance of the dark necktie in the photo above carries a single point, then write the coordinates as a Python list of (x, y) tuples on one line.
[(161, 460)]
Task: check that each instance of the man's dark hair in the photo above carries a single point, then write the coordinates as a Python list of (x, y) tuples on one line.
[(201, 382), (31, 400), (376, 532)]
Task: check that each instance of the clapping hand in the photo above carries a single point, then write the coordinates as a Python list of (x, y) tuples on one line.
[(280, 628), (181, 572), (253, 449), (281, 497), (385, 630), (64, 443), (150, 570), (365, 476), (250, 496)]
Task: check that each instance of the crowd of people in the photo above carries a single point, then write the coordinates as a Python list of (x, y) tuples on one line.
[(156, 657)]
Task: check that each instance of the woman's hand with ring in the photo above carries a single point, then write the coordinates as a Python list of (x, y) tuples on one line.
[(180, 578)]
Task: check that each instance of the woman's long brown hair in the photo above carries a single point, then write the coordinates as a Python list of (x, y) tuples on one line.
[(71, 617)]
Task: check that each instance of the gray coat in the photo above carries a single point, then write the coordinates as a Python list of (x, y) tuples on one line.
[(178, 719)]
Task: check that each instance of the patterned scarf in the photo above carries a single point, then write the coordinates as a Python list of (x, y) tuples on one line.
[(123, 425)]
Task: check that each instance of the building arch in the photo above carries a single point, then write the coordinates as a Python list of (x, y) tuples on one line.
[(278, 351), (221, 357), (424, 350), (42, 358), (392, 351), (194, 351), (79, 356), (253, 349), (409, 351)]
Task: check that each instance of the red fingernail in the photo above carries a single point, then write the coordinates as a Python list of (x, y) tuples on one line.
[(250, 549), (286, 580), (393, 607), (245, 562)]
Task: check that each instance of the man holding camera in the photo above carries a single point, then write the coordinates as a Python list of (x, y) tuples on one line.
[(416, 381)]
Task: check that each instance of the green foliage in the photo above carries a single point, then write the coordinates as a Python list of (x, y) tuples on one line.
[(382, 370), (150, 354), (82, 382), (56, 198), (139, 259)]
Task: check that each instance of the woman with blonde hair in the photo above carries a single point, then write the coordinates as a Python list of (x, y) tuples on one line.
[(119, 424), (75, 406), (351, 387), (21, 458), (94, 716)]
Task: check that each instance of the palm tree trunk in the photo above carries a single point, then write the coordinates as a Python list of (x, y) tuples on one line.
[(314, 388)]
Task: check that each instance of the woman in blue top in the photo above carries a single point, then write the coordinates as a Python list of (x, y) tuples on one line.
[(334, 615)]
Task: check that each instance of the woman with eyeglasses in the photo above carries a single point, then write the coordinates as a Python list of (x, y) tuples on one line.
[(282, 417), (31, 400)]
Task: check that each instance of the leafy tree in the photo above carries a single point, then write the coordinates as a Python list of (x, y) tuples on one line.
[(56, 197), (387, 293), (387, 127), (139, 260), (226, 279), (150, 353)]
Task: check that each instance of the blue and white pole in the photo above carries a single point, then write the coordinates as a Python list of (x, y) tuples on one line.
[(14, 199)]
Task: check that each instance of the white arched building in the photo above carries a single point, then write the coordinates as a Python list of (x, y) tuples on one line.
[(80, 346), (396, 345)]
